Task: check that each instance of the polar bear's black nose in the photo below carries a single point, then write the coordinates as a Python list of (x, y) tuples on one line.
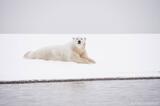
[(79, 42)]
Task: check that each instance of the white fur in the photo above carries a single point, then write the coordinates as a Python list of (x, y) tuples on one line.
[(69, 52)]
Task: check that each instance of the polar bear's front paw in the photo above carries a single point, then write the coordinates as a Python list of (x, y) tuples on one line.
[(81, 61), (93, 62), (86, 61)]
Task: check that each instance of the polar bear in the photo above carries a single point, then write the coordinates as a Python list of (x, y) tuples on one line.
[(73, 51)]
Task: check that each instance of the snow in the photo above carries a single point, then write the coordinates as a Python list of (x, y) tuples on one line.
[(116, 55)]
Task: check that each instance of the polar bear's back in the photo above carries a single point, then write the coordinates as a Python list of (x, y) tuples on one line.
[(51, 53)]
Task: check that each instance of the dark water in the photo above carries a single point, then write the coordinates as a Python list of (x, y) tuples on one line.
[(86, 93)]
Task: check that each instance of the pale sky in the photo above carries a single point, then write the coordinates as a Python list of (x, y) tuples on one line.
[(79, 16)]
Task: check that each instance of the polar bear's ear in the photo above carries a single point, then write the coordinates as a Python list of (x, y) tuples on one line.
[(73, 38)]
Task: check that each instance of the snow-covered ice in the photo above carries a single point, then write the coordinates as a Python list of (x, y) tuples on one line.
[(116, 55)]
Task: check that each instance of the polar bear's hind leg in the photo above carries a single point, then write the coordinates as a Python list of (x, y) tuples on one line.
[(26, 55)]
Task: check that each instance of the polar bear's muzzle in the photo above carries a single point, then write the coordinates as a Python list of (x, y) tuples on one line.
[(79, 42)]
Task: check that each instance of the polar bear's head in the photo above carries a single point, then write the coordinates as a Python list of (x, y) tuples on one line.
[(79, 42)]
